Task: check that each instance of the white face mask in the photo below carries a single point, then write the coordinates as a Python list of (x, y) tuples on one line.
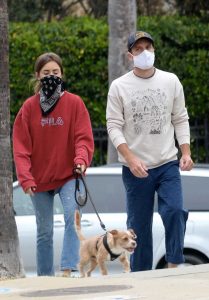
[(144, 60)]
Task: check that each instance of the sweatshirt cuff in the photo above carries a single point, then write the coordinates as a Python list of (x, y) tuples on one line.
[(118, 141), (184, 139), (80, 161)]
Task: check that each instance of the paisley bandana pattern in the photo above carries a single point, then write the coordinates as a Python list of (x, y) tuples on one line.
[(52, 87)]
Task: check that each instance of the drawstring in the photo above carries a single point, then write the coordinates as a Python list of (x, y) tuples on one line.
[(82, 200)]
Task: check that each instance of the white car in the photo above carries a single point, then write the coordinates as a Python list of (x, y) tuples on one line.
[(108, 195)]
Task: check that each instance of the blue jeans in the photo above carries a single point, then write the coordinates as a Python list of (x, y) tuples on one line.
[(166, 181), (43, 203)]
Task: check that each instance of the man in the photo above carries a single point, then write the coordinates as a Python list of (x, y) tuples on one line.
[(145, 112)]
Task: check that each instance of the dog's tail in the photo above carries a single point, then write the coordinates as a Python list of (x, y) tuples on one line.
[(78, 226)]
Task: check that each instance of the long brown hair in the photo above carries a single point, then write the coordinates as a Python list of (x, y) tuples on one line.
[(40, 62)]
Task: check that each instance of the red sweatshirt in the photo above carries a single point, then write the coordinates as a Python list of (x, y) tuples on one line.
[(46, 148)]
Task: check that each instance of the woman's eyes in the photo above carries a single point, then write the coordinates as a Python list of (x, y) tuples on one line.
[(48, 73)]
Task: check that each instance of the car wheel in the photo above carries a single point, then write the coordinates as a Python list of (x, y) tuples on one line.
[(190, 259)]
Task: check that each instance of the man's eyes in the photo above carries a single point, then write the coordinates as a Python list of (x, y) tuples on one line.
[(139, 50)]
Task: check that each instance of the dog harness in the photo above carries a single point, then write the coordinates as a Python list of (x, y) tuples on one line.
[(113, 256)]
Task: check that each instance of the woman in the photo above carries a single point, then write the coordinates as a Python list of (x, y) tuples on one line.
[(52, 136)]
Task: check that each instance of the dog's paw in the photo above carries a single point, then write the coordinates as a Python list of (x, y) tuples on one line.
[(66, 273), (127, 271)]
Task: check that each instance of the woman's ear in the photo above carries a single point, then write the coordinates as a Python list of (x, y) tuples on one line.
[(37, 76)]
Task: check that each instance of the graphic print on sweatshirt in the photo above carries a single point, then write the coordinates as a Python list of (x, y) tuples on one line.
[(148, 111), (52, 121)]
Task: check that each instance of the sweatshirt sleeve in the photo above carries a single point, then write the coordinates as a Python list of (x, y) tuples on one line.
[(84, 140), (22, 149), (115, 117), (180, 116)]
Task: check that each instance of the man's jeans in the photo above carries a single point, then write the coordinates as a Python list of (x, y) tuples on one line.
[(43, 205), (166, 181)]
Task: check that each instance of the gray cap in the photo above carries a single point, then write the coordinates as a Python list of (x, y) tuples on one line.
[(134, 37)]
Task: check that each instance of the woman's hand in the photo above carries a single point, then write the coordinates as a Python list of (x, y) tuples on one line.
[(30, 191), (80, 169)]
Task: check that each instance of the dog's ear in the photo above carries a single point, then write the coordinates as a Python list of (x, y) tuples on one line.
[(114, 232), (134, 236)]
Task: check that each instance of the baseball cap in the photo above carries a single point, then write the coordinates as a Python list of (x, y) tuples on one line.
[(134, 37)]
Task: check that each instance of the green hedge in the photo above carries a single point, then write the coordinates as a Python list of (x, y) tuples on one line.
[(181, 44), (82, 44)]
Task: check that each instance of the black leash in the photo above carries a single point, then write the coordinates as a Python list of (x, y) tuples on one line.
[(82, 200)]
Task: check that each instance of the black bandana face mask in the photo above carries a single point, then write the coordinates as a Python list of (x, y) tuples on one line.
[(52, 87)]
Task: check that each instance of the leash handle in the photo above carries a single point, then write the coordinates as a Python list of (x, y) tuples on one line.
[(87, 194), (80, 199)]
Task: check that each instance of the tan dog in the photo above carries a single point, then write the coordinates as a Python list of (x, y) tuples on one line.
[(96, 250)]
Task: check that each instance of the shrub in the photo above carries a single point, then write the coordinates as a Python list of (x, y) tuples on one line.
[(81, 43)]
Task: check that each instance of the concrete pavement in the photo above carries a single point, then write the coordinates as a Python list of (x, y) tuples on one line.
[(169, 284)]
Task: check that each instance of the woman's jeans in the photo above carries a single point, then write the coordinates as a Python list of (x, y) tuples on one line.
[(166, 181), (43, 203)]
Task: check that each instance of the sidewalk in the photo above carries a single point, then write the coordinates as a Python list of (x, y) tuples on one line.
[(177, 284)]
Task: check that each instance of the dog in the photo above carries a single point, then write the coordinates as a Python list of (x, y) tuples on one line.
[(99, 249)]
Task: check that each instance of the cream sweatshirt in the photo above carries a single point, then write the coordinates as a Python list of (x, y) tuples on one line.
[(147, 114)]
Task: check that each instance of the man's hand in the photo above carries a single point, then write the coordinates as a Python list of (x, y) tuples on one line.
[(136, 166), (186, 163)]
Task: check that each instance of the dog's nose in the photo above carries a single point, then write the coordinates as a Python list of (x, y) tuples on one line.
[(134, 243)]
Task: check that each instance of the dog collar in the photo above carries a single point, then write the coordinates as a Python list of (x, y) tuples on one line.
[(113, 256)]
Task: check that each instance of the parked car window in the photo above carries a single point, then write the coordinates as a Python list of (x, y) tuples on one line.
[(109, 198), (23, 205)]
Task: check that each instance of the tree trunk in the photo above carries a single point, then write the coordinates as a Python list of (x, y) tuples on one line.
[(122, 21), (10, 265)]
